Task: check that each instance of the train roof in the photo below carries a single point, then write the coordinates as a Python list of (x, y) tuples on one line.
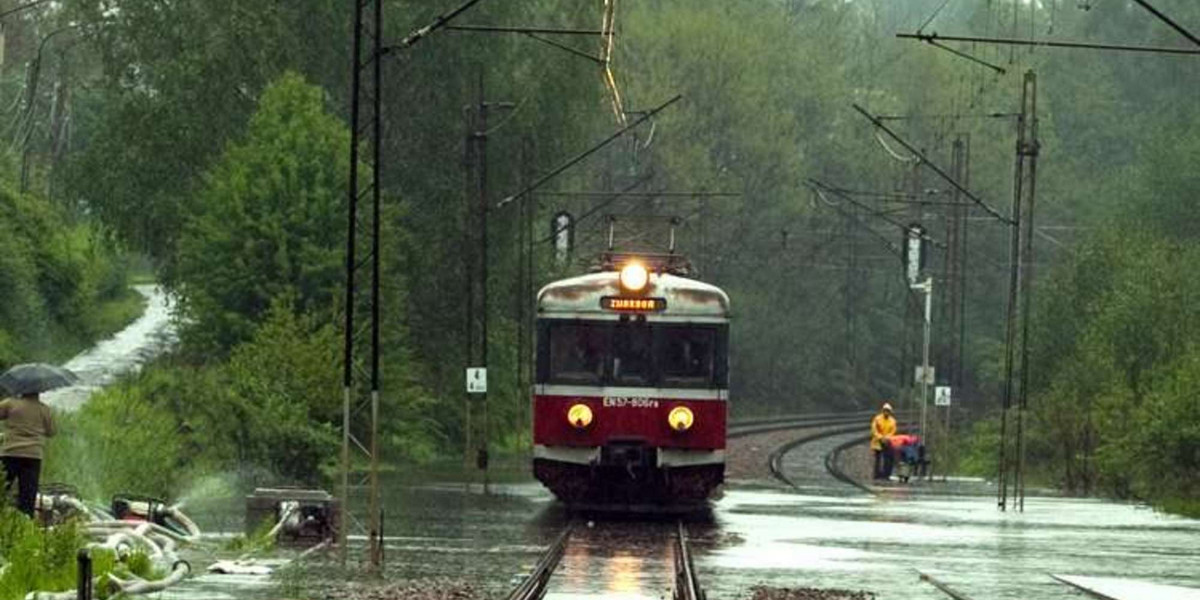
[(582, 295)]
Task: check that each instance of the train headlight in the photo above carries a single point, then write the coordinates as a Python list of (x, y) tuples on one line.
[(681, 418), (634, 277), (579, 416)]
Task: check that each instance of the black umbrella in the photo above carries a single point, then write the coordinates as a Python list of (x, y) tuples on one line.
[(35, 378)]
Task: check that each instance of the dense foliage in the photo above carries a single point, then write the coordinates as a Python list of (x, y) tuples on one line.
[(64, 283), (213, 135), (263, 225)]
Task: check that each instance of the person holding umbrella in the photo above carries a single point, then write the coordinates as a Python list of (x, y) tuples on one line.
[(28, 422)]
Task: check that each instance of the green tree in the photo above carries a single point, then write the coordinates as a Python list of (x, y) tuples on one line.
[(268, 220)]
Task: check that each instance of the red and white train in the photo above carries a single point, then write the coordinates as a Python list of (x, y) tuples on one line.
[(631, 394)]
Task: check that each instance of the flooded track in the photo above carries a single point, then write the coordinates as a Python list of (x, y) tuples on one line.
[(827, 535), (627, 559), (821, 533)]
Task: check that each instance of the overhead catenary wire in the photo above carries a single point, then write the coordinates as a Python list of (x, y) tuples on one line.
[(526, 30), (959, 53), (590, 151), (896, 155), (597, 208), (815, 184), (927, 37), (834, 205), (933, 16), (438, 23), (933, 167), (1168, 20), (23, 7)]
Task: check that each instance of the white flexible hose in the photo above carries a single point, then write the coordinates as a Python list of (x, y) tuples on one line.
[(176, 513), (155, 527), (179, 570), (160, 542)]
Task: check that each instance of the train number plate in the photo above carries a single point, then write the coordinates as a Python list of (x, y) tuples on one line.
[(624, 402)]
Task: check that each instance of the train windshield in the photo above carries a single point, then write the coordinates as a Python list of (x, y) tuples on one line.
[(632, 354), (687, 355), (577, 353)]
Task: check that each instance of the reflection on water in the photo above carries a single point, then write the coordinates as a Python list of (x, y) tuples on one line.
[(616, 560), (880, 543), (622, 575), (453, 531)]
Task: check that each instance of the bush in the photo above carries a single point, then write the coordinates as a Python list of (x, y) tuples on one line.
[(121, 440), (58, 276)]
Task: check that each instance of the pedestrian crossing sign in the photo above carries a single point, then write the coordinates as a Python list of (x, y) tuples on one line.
[(941, 395)]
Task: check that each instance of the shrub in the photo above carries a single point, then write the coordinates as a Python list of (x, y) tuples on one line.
[(120, 441)]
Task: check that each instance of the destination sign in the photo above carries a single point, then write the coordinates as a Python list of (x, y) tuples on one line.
[(633, 304)]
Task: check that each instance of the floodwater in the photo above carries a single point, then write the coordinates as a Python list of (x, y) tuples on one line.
[(764, 534), (120, 354), (823, 533)]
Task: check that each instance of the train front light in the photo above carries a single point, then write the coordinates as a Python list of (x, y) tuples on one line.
[(579, 416), (681, 418), (634, 277)]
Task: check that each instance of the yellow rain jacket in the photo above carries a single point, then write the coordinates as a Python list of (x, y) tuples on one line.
[(883, 426)]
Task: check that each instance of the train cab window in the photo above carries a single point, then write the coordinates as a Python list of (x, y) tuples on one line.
[(577, 353), (687, 356), (632, 361)]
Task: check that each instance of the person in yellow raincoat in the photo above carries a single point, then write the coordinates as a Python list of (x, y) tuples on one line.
[(883, 427)]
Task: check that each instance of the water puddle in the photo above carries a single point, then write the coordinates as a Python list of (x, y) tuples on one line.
[(879, 544)]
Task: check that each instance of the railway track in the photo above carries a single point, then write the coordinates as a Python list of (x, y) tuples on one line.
[(831, 425), (685, 583), (768, 424), (831, 463)]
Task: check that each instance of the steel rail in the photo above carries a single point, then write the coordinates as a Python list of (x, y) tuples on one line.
[(768, 424), (1087, 590), (831, 466), (799, 424), (533, 587), (775, 460), (801, 416), (949, 591), (687, 586)]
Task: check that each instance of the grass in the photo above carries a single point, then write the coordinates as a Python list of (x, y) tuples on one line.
[(43, 559), (114, 315), (1184, 507), (146, 278), (111, 316)]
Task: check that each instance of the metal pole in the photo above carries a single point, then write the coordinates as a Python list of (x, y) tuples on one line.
[(963, 256), (928, 288), (1014, 254), (481, 145), (519, 296), (83, 561), (529, 292), (528, 207), (351, 245), (468, 273), (375, 517), (1029, 152)]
